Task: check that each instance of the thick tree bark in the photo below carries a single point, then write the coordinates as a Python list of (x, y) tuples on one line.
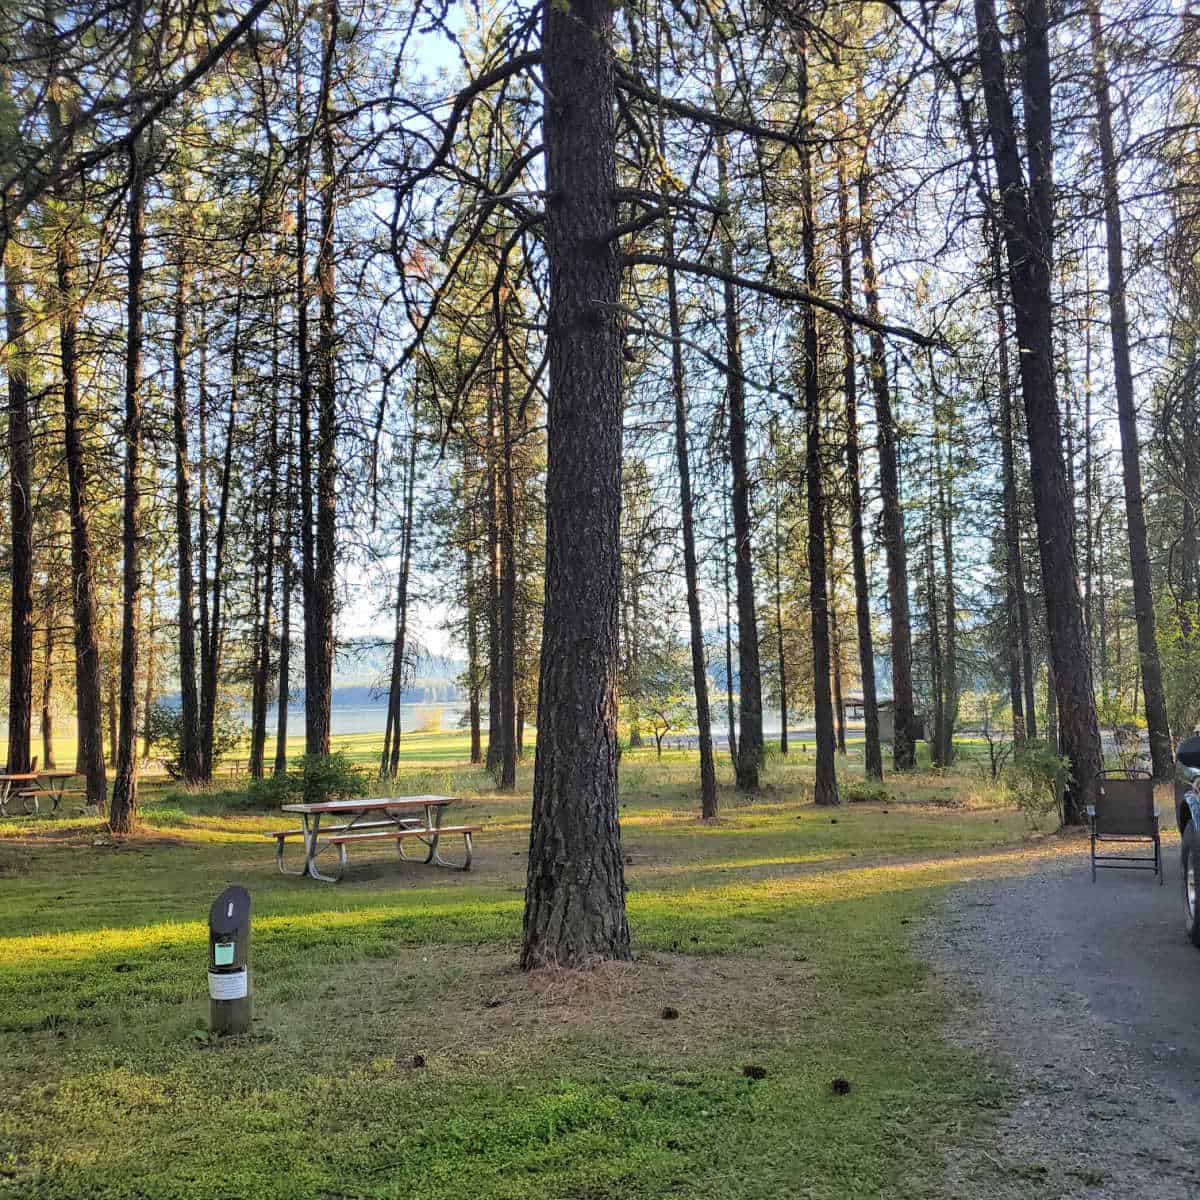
[(575, 895), (1162, 758), (825, 789), (123, 815), (189, 700), (872, 753), (20, 479), (1027, 221), (903, 744), (691, 567)]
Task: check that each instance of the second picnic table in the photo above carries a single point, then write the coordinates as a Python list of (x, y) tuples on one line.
[(383, 818)]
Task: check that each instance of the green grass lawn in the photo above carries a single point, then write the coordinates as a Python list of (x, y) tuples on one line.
[(396, 1051)]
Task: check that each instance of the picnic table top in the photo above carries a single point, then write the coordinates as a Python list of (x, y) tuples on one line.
[(370, 804), (9, 777), (57, 774)]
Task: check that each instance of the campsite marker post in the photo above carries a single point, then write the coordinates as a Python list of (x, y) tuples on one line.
[(229, 962)]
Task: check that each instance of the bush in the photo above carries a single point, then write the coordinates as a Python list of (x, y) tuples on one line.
[(1038, 777), (865, 791), (165, 734), (313, 779)]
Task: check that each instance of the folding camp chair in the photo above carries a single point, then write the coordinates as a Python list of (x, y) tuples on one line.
[(1124, 812)]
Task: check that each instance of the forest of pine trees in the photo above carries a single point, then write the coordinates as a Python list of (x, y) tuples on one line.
[(689, 361)]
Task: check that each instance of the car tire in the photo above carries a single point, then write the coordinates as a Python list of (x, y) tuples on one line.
[(1189, 863)]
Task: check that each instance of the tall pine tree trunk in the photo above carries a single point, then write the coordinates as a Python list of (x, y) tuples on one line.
[(937, 743), (950, 619), (473, 671), (318, 704), (262, 649), (50, 609), (779, 643), (286, 586), (189, 742), (903, 744), (391, 761), (508, 578), (750, 734), (123, 815), (691, 566), (20, 480), (214, 641), (1028, 231), (825, 790), (730, 719), (835, 642), (1139, 555), (89, 721), (151, 665), (873, 754), (575, 894), (1024, 721)]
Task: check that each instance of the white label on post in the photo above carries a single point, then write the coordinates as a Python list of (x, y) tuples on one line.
[(228, 985)]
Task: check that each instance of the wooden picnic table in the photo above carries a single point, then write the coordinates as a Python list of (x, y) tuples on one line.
[(381, 818), (56, 788), (10, 784)]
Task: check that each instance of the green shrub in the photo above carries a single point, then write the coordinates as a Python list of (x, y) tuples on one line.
[(866, 791), (1038, 777), (165, 734), (273, 790), (313, 779)]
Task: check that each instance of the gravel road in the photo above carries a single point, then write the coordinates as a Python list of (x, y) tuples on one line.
[(1091, 994)]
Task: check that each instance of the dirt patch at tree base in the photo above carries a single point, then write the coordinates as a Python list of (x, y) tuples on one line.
[(457, 1004)]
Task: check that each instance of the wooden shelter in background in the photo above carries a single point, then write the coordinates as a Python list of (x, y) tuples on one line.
[(852, 710)]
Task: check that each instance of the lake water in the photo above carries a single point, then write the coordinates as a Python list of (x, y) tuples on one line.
[(371, 718)]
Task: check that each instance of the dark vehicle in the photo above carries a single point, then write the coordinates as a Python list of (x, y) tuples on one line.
[(1187, 814)]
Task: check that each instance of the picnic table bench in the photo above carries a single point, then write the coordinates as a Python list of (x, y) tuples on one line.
[(10, 787), (397, 819), (55, 791), (32, 792)]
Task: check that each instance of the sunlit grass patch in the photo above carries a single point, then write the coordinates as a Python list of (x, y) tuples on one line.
[(396, 1051)]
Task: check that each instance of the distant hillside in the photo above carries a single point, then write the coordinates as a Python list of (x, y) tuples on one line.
[(362, 664)]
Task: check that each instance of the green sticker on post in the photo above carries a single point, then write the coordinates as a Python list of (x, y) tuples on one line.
[(223, 954)]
